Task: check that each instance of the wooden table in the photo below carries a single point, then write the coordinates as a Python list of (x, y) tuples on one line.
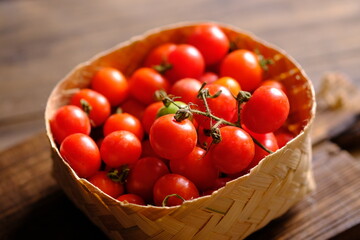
[(40, 41)]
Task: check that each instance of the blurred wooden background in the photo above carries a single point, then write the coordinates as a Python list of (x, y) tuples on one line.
[(42, 40)]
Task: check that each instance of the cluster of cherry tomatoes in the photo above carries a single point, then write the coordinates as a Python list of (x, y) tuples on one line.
[(124, 141)]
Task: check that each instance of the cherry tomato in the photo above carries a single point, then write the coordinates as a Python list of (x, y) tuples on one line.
[(171, 139), (106, 184), (95, 104), (144, 82), (204, 138), (159, 54), (150, 115), (119, 148), (186, 62), (211, 41), (223, 106), (171, 109), (235, 151), (187, 89), (81, 153), (244, 67), (208, 77), (275, 84), (197, 167), (268, 140), (123, 121), (147, 150), (283, 136), (266, 111), (131, 198), (111, 83), (229, 83), (219, 183), (67, 120), (142, 177), (133, 107), (174, 184)]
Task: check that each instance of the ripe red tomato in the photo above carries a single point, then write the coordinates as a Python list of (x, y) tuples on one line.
[(187, 89), (186, 62), (174, 184), (235, 151), (120, 148), (283, 136), (266, 111), (197, 167), (171, 139), (147, 150), (144, 82), (204, 138), (111, 83), (133, 107), (150, 115), (131, 198), (275, 84), (68, 120), (244, 67), (224, 106), (159, 55), (142, 177), (123, 121), (208, 77), (94, 104), (211, 41), (106, 184), (230, 84), (81, 153)]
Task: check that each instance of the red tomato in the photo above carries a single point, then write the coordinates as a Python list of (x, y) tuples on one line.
[(224, 106), (123, 121), (81, 153), (219, 183), (142, 177), (197, 167), (268, 140), (174, 184), (147, 150), (150, 115), (204, 138), (133, 107), (266, 111), (208, 77), (230, 84), (244, 67), (171, 139), (187, 89), (106, 184), (131, 198), (235, 151), (144, 82), (211, 41), (159, 54), (186, 62), (111, 83), (275, 84), (68, 120), (94, 104), (283, 136), (120, 148)]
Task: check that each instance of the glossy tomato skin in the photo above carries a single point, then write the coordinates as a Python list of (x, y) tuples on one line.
[(244, 67), (111, 83), (120, 148), (235, 151), (67, 120), (174, 184), (142, 177), (105, 184), (144, 82), (131, 198), (186, 62), (211, 41), (275, 84), (229, 83), (171, 139), (266, 111), (100, 108), (82, 154), (159, 54), (208, 77), (187, 89), (150, 114), (123, 121), (171, 109), (197, 167), (224, 106)]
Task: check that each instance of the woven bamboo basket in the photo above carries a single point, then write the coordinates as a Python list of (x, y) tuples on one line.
[(245, 204)]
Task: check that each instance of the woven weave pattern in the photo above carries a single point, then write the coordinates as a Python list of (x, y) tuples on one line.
[(244, 205)]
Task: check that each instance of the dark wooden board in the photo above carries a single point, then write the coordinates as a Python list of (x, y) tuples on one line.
[(33, 206)]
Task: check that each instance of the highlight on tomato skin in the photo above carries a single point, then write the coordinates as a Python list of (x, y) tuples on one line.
[(106, 184)]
